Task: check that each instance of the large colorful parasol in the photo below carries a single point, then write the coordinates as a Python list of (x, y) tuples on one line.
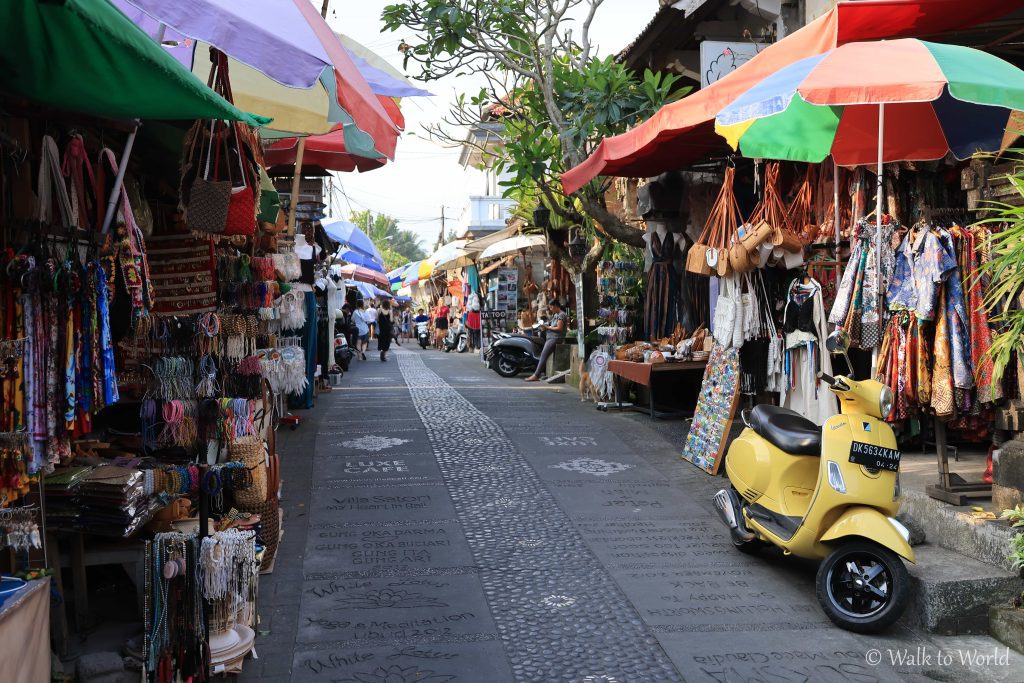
[(906, 99), (286, 63)]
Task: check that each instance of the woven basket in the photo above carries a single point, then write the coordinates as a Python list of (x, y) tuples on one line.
[(249, 450), (270, 527)]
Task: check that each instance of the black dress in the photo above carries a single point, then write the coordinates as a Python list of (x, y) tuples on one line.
[(385, 325), (660, 311)]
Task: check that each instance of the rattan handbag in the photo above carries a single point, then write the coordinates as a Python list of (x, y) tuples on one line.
[(802, 217), (709, 255), (773, 211)]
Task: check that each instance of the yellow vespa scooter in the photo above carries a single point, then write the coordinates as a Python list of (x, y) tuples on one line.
[(829, 493)]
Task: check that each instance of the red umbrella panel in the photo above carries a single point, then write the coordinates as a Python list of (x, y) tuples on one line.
[(365, 275), (326, 151)]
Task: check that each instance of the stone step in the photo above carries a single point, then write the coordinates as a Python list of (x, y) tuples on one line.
[(955, 529), (952, 593)]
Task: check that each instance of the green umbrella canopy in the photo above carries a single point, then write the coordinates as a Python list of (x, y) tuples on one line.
[(85, 56)]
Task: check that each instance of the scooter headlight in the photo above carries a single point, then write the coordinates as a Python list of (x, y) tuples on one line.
[(885, 399)]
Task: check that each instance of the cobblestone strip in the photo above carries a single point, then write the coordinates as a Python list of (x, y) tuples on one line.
[(559, 613)]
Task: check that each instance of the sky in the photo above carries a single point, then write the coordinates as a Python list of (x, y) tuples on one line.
[(424, 175)]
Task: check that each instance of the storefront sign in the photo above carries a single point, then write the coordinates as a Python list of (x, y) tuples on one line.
[(720, 58), (508, 289), (493, 315)]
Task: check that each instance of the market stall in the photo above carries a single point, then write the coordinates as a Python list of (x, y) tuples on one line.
[(157, 316)]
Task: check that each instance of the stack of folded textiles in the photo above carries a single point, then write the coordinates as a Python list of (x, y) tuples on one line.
[(61, 490)]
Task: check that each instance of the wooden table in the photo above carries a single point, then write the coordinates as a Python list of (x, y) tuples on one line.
[(645, 373)]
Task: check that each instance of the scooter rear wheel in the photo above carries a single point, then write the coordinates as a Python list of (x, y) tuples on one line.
[(863, 587)]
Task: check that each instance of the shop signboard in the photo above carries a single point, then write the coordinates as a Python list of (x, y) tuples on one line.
[(719, 58), (508, 289), (503, 297)]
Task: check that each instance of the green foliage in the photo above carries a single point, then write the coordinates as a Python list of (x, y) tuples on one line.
[(600, 100), (397, 246), (1005, 273), (1014, 516), (558, 101), (1016, 519)]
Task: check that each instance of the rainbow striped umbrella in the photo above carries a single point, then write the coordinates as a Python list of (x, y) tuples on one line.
[(894, 100)]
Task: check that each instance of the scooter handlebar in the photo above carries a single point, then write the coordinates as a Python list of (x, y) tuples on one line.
[(833, 382)]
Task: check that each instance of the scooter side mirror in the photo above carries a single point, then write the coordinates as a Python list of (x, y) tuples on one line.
[(838, 341)]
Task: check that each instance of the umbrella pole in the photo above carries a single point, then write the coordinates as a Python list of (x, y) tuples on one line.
[(299, 153), (115, 191), (835, 217), (879, 198)]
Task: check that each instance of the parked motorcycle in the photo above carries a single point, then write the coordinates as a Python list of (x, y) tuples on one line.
[(829, 493), (511, 354), (457, 338), (423, 334), (343, 353)]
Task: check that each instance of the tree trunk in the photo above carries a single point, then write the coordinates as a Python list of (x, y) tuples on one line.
[(323, 8)]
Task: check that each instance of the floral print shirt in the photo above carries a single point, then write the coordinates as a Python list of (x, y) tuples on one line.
[(923, 261)]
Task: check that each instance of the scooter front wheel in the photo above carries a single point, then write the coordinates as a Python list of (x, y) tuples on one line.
[(505, 367), (863, 587)]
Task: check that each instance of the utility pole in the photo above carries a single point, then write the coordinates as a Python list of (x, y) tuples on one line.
[(440, 239), (323, 8)]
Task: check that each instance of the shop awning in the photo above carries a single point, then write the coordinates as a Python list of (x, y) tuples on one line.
[(518, 243), (85, 56), (487, 240), (683, 131)]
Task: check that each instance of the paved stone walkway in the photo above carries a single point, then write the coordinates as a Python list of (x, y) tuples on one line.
[(444, 524)]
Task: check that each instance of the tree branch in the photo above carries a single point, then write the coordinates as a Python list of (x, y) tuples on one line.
[(612, 225)]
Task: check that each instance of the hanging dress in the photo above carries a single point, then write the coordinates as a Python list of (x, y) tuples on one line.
[(662, 287), (805, 332), (988, 390)]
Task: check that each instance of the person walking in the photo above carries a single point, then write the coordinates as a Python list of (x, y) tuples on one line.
[(385, 329), (371, 319), (441, 324), (406, 323), (362, 322), (556, 332)]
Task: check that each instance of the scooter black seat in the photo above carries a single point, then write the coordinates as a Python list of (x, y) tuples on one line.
[(785, 429)]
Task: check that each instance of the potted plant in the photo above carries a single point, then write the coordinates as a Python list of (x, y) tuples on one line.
[(1007, 623)]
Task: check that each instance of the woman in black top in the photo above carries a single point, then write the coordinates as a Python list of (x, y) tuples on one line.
[(385, 328)]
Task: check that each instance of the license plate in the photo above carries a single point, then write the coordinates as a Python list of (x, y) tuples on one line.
[(875, 457)]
